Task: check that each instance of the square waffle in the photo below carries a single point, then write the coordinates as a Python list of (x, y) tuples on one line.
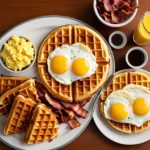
[(27, 89), (20, 115), (44, 126), (119, 81), (79, 90), (7, 83)]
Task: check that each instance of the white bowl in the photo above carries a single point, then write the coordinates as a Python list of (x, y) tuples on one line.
[(124, 40), (145, 57), (126, 21), (28, 67)]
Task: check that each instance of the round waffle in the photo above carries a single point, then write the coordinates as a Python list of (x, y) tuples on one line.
[(119, 81), (79, 90)]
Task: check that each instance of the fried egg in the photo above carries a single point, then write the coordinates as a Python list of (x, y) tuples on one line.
[(69, 63), (140, 103), (117, 107)]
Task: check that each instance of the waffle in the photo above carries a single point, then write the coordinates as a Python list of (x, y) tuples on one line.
[(44, 126), (7, 83), (26, 89), (119, 81), (79, 90), (20, 115)]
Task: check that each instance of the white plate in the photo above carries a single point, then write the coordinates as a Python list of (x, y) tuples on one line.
[(36, 30), (117, 136)]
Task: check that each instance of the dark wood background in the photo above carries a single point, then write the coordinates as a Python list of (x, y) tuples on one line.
[(13, 12)]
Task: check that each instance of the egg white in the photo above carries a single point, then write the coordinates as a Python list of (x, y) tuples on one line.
[(122, 97), (72, 52), (138, 91)]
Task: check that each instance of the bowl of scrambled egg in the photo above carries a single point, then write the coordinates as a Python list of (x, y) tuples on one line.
[(17, 54)]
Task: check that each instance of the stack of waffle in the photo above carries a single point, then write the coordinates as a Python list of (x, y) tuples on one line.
[(26, 113)]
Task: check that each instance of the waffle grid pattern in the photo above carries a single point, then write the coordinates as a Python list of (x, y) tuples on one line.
[(57, 38), (119, 81), (23, 89), (7, 83), (87, 37), (44, 126), (79, 90), (19, 116)]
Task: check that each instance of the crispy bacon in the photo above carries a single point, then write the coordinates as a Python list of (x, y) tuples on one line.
[(70, 113), (128, 8), (47, 98), (65, 112), (109, 5), (128, 1), (84, 102), (53, 102), (40, 90), (75, 107), (59, 116), (73, 123), (115, 11), (116, 18), (123, 13), (120, 3)]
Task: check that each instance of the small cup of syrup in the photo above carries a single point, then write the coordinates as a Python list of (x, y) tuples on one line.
[(117, 40), (136, 57)]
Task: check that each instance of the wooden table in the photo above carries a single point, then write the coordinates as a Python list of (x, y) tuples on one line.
[(13, 12)]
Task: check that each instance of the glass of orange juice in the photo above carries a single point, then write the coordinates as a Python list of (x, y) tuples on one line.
[(141, 34)]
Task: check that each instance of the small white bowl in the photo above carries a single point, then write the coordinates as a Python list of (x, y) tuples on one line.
[(25, 69), (124, 40), (145, 57), (128, 19)]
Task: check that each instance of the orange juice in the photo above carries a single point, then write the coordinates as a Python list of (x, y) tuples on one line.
[(141, 34)]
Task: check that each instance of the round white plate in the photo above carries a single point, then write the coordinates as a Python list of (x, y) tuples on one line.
[(117, 136), (36, 30)]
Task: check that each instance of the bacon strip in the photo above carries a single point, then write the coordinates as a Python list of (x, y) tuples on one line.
[(73, 123), (123, 13), (128, 1), (84, 102), (120, 3), (70, 113), (75, 107), (65, 112), (116, 18), (53, 102), (109, 5)]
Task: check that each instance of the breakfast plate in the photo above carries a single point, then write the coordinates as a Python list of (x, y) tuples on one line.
[(115, 135), (36, 30)]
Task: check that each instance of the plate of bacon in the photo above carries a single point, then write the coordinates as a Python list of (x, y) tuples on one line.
[(32, 116)]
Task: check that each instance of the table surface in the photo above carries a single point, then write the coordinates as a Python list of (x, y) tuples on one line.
[(13, 12)]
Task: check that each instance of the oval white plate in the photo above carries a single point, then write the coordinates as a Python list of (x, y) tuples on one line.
[(117, 136), (36, 30)]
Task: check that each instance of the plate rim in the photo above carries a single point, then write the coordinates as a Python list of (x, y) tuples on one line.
[(102, 120), (71, 18)]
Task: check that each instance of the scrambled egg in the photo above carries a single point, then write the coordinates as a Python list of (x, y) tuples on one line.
[(17, 53)]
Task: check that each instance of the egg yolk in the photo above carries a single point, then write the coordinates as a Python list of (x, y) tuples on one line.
[(59, 64), (141, 106), (118, 111), (80, 66)]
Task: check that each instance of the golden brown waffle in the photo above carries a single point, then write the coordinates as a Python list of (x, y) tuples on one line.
[(44, 126), (7, 83), (20, 115), (26, 89), (79, 90), (119, 81)]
